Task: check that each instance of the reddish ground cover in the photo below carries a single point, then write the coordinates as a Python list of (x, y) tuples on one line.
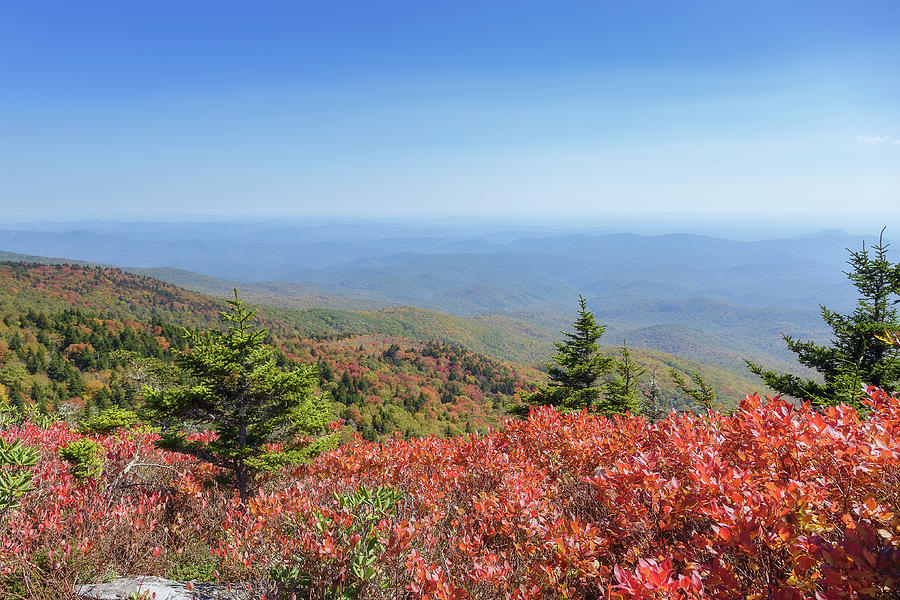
[(774, 501)]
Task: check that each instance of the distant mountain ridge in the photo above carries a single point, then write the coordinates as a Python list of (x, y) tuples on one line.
[(702, 297), (720, 312), (362, 261)]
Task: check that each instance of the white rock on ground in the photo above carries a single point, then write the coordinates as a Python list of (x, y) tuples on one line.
[(155, 587)]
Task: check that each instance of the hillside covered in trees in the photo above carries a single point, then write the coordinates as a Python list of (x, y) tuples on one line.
[(76, 339), (143, 304)]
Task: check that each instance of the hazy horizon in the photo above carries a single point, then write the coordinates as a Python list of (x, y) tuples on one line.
[(746, 228)]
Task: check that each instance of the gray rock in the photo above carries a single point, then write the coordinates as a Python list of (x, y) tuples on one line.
[(158, 589)]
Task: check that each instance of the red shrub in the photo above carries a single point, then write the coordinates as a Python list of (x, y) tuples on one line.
[(774, 501)]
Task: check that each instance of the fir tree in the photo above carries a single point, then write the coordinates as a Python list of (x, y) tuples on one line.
[(703, 395), (861, 353), (241, 395), (622, 393), (578, 369), (653, 405)]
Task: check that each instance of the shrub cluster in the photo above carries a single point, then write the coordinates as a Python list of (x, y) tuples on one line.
[(773, 501), (107, 420), (85, 456)]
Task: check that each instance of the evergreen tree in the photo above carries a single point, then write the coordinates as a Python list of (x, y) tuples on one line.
[(622, 393), (36, 359), (241, 395), (861, 353), (703, 395), (653, 405), (58, 369), (15, 342), (145, 371), (75, 381), (578, 367)]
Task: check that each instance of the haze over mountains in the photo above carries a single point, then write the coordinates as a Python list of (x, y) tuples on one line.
[(704, 298)]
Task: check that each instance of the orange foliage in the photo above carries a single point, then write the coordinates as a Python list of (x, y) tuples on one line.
[(774, 501)]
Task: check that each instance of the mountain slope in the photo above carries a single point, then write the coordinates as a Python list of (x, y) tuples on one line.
[(78, 338), (710, 299), (301, 332)]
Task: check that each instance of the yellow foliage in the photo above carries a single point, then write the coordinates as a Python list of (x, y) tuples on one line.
[(93, 386), (890, 337)]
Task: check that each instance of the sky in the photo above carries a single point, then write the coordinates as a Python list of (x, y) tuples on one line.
[(428, 108)]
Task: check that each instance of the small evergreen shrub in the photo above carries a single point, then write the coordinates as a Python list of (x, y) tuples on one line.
[(196, 564), (107, 420), (85, 456)]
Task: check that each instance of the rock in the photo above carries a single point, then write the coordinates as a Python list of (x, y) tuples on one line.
[(157, 588)]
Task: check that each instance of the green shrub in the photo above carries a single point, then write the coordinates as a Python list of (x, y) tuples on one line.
[(369, 506), (13, 586), (198, 564), (16, 476), (86, 457), (107, 420)]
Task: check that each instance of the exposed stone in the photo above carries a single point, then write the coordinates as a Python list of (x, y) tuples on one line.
[(156, 588)]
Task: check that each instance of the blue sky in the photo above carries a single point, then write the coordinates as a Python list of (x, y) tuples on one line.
[(427, 108)]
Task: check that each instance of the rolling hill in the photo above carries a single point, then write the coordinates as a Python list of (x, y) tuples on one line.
[(305, 334), (711, 300)]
